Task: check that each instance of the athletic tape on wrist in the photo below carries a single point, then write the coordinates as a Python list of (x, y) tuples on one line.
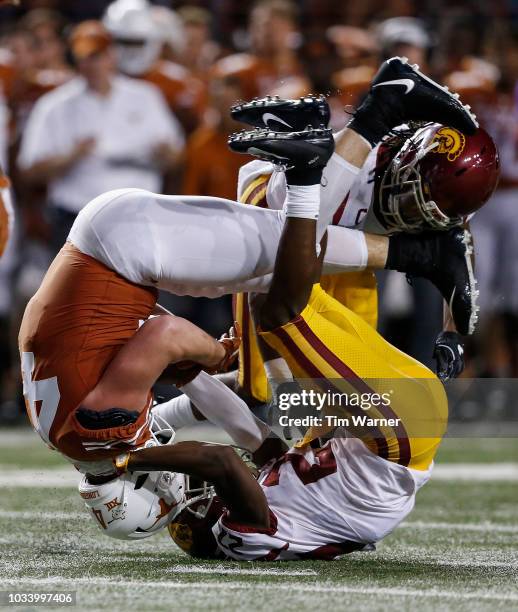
[(303, 201)]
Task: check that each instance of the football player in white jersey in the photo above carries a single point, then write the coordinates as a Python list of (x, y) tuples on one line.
[(83, 355), (355, 490), (308, 503)]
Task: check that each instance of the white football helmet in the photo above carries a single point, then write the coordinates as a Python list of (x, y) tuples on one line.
[(137, 504), (138, 39)]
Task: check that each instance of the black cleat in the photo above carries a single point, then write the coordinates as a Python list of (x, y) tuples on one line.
[(416, 97), (280, 115), (310, 148), (444, 258)]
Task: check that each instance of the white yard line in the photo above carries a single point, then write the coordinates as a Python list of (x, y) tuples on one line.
[(68, 477), (476, 472), (480, 527), (219, 569), (44, 516), (44, 478), (370, 590), (483, 527)]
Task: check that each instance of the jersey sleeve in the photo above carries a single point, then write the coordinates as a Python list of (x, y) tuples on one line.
[(246, 543)]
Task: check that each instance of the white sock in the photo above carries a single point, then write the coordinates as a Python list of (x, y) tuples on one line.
[(277, 372), (224, 408), (303, 201), (337, 181), (177, 412)]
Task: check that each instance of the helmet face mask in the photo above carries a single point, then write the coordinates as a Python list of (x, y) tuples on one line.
[(196, 493), (404, 196), (192, 529)]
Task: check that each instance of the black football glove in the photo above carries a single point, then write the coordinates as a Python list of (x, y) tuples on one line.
[(449, 355)]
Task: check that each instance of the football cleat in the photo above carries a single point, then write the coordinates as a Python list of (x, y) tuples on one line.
[(444, 258), (280, 115), (411, 95), (309, 148)]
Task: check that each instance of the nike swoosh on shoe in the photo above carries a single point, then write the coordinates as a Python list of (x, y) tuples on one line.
[(271, 117), (407, 83)]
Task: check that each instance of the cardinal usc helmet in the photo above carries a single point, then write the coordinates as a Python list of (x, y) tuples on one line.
[(191, 529), (436, 179)]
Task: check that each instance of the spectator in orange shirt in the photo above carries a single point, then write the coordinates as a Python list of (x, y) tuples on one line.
[(210, 167), (271, 66)]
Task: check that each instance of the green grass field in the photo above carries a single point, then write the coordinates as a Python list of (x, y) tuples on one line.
[(457, 551)]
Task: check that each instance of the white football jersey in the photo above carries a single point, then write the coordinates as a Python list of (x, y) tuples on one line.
[(355, 211), (325, 503)]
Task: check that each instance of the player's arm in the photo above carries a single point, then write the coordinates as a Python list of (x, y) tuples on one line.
[(217, 464), (449, 346)]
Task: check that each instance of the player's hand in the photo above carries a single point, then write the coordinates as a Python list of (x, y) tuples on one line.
[(183, 372), (231, 342), (449, 355)]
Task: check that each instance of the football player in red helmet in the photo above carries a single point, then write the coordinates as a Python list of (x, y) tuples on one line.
[(426, 179), (434, 178), (350, 493), (95, 385)]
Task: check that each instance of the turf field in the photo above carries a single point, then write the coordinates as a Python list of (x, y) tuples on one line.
[(457, 551)]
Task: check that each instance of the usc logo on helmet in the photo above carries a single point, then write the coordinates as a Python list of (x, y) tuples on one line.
[(451, 142), (182, 535)]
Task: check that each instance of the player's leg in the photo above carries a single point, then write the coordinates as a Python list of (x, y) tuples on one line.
[(322, 339), (319, 338), (386, 106), (343, 355)]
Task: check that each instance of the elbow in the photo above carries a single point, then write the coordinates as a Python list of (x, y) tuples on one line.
[(223, 460)]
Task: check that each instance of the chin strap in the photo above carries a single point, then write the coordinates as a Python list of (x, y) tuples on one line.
[(120, 462)]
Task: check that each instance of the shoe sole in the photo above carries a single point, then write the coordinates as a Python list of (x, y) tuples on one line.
[(268, 100), (269, 103), (261, 133), (255, 138), (467, 241), (444, 89)]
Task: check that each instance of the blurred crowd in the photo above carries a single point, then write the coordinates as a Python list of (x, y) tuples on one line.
[(98, 95)]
